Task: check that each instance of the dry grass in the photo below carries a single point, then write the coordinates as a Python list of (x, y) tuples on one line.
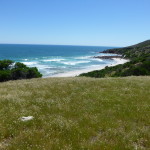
[(75, 114)]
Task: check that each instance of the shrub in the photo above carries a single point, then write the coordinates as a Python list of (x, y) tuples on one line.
[(5, 64), (33, 73), (10, 71), (5, 75)]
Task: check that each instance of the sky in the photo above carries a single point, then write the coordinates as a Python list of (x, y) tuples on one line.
[(75, 22)]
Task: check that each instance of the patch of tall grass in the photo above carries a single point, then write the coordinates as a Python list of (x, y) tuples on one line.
[(75, 113)]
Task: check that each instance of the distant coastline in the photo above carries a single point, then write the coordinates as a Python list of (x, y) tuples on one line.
[(139, 64)]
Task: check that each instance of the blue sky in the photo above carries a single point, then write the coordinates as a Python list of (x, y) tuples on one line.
[(75, 22)]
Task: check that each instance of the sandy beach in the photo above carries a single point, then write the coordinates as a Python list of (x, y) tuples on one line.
[(94, 67)]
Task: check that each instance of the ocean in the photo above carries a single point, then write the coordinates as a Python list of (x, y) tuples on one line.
[(57, 60)]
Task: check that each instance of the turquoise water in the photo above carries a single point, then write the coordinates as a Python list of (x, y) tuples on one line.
[(54, 59)]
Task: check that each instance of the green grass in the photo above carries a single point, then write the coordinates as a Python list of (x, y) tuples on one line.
[(75, 114)]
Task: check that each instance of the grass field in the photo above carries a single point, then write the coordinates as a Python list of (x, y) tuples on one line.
[(76, 114)]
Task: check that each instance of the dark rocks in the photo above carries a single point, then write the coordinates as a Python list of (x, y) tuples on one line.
[(111, 51), (108, 57)]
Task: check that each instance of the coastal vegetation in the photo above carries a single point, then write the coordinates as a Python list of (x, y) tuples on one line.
[(75, 113), (138, 65), (14, 71)]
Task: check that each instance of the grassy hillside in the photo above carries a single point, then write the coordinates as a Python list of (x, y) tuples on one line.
[(134, 51), (139, 64), (75, 114)]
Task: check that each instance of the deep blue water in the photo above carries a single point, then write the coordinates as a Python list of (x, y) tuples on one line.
[(54, 59)]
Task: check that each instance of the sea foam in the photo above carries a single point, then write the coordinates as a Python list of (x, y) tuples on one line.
[(74, 62)]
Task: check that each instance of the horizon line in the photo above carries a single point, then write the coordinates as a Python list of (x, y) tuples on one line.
[(57, 44)]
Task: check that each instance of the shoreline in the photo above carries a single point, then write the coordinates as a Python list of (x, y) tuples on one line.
[(93, 68)]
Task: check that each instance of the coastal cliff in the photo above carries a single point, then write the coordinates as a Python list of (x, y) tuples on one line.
[(139, 56)]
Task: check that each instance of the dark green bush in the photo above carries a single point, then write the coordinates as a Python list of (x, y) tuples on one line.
[(5, 75), (33, 73), (19, 73), (14, 71), (5, 64)]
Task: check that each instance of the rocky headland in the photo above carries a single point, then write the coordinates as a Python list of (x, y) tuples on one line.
[(108, 57)]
